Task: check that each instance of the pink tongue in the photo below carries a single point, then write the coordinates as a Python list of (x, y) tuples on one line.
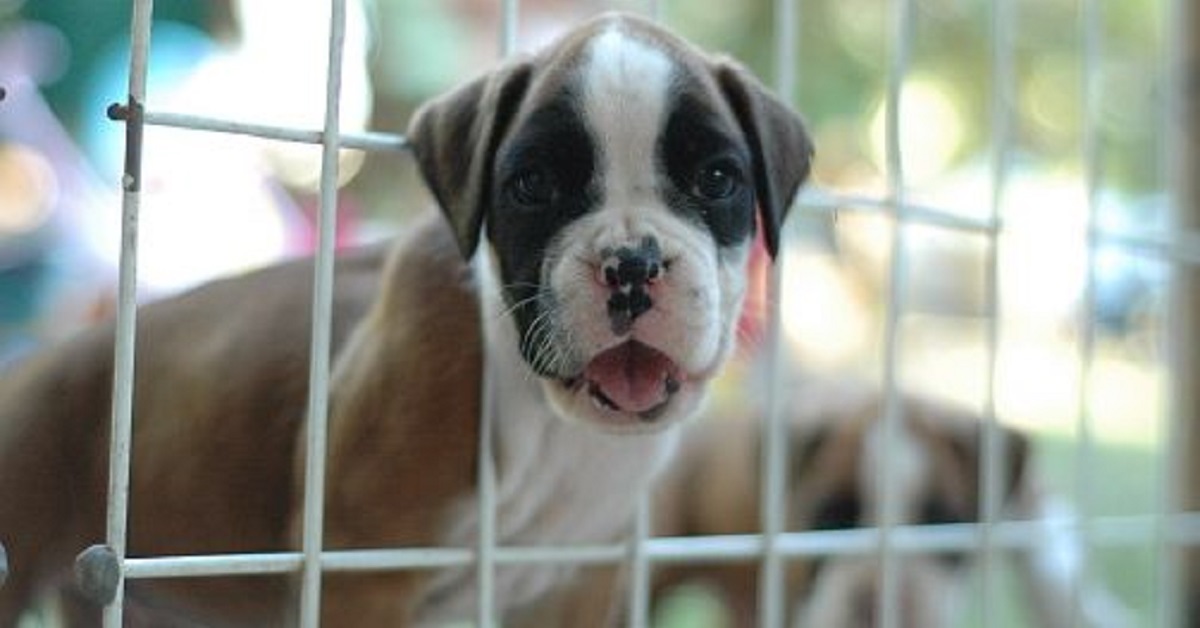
[(632, 376)]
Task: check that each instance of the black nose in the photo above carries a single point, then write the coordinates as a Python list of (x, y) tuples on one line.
[(632, 267), (627, 272)]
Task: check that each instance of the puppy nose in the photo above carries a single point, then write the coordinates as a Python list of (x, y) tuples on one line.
[(628, 271), (632, 268)]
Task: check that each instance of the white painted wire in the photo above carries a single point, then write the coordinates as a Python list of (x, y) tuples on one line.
[(773, 468), (1108, 531), (1170, 549), (639, 566), (126, 318), (888, 602), (485, 564), (638, 608), (991, 486), (322, 315), (485, 567), (363, 141), (1091, 33)]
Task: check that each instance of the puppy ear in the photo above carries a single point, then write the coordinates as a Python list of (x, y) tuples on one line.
[(455, 138), (781, 148), (1014, 454), (1016, 457)]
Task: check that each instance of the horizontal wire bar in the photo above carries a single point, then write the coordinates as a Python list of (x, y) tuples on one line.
[(1109, 531), (371, 140), (213, 565), (825, 200), (1181, 247), (391, 559), (1177, 247)]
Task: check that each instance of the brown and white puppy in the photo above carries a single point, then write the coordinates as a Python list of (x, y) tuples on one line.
[(837, 442), (602, 197)]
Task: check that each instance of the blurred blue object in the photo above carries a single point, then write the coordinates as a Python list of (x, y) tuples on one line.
[(176, 50)]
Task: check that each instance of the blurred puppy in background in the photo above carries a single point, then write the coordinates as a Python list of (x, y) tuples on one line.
[(837, 441)]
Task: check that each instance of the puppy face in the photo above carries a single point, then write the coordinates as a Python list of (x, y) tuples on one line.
[(616, 179), (935, 480)]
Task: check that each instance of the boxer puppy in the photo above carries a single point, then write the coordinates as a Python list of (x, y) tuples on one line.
[(600, 199)]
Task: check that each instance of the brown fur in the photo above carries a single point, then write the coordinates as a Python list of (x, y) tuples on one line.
[(220, 395)]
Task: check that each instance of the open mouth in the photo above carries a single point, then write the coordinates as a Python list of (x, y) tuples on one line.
[(631, 378)]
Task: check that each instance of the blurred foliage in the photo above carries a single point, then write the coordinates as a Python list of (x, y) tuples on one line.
[(845, 51)]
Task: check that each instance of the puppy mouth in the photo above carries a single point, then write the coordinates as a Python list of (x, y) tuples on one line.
[(632, 379)]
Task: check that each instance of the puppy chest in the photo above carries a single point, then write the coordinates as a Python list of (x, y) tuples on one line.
[(552, 490)]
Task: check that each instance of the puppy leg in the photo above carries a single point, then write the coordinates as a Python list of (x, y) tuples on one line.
[(592, 599), (15, 596), (352, 600)]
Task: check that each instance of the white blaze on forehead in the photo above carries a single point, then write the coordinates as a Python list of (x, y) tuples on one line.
[(626, 83), (904, 475)]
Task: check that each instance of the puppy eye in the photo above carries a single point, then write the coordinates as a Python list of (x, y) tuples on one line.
[(717, 179), (532, 187), (837, 513)]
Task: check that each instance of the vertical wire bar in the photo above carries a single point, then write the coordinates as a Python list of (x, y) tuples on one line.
[(1171, 469), (485, 575), (639, 579), (486, 564), (638, 608), (1091, 26), (657, 10), (901, 34), (322, 313), (1002, 53), (773, 468), (126, 320)]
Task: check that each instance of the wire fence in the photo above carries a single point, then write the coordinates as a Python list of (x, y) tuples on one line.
[(1166, 529)]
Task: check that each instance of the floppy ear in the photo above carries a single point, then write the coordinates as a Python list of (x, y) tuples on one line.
[(455, 138), (967, 441), (781, 148)]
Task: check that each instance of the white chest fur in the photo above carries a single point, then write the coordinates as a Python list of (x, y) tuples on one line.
[(557, 483)]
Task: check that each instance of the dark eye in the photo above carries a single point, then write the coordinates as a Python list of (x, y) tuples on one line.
[(837, 513), (717, 179), (533, 187)]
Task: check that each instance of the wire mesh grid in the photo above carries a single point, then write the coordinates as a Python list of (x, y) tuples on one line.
[(1168, 529)]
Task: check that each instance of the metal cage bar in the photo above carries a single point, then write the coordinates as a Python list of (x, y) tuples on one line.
[(1090, 32), (900, 33), (1111, 531), (317, 423), (639, 565), (773, 468), (485, 566), (1001, 52), (1176, 603), (1001, 141), (121, 434)]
